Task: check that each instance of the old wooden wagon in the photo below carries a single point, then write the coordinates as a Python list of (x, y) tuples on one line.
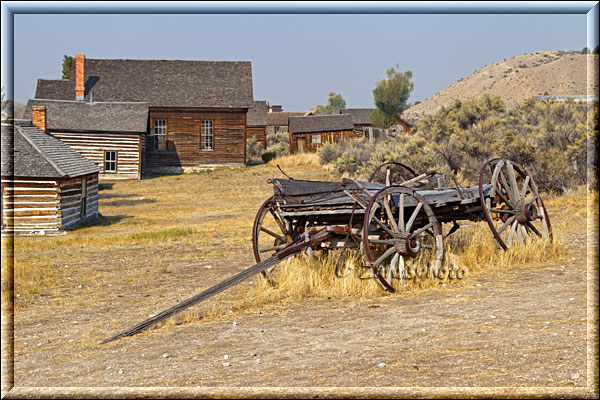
[(395, 219), (397, 225)]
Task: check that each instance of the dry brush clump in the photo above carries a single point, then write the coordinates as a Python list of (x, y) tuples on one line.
[(550, 138)]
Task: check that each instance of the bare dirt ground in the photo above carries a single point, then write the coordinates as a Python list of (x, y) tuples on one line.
[(522, 330)]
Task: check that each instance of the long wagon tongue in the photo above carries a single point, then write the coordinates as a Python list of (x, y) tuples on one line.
[(289, 251)]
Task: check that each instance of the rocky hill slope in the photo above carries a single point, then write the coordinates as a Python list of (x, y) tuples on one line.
[(554, 73)]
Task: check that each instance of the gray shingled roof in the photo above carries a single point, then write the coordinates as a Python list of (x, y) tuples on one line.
[(321, 123), (281, 118), (55, 89), (161, 83), (103, 117), (360, 116), (257, 114), (34, 153)]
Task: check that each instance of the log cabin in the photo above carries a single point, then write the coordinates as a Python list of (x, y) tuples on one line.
[(196, 116), (47, 187), (112, 135), (309, 133), (256, 125)]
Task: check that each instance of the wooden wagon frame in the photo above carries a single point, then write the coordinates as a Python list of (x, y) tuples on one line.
[(394, 219)]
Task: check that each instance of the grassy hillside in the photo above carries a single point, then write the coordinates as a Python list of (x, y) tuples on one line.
[(554, 73)]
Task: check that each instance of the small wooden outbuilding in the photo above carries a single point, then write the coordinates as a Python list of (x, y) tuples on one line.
[(309, 133), (46, 186)]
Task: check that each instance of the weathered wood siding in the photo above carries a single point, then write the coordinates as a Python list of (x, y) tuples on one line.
[(405, 126), (93, 146), (326, 137), (259, 133), (30, 204), (46, 205), (184, 140), (71, 193)]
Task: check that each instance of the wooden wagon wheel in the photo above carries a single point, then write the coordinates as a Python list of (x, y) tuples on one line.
[(394, 172), (401, 236), (270, 232), (513, 207)]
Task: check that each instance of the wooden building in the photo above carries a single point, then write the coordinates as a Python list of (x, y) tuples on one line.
[(309, 133), (46, 186), (402, 126), (279, 121), (256, 123), (112, 135), (196, 115), (361, 117)]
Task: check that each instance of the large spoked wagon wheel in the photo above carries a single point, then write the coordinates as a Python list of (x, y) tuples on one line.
[(512, 205), (392, 173), (270, 233), (402, 238)]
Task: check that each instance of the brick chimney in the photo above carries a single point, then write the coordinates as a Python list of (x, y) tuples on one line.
[(79, 77), (38, 117)]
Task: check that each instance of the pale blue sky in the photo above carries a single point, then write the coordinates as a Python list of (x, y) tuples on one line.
[(297, 59)]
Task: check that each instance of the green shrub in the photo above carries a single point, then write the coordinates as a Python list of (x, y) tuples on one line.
[(550, 138), (280, 137), (329, 152), (276, 150), (254, 149)]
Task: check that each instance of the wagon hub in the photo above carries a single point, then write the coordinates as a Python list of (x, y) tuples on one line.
[(525, 212), (406, 244)]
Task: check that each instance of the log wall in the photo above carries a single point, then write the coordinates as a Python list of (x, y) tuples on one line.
[(70, 201), (184, 140), (38, 205), (93, 145), (326, 137)]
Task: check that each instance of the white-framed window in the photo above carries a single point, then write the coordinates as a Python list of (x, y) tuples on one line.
[(160, 134), (206, 135), (110, 161), (275, 129), (315, 139)]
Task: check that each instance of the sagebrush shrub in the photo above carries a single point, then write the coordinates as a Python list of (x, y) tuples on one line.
[(550, 138)]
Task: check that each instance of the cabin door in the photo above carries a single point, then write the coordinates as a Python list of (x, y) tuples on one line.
[(83, 197), (301, 144)]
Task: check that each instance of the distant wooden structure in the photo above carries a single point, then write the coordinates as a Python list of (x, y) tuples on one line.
[(112, 135), (279, 121), (402, 126), (361, 117), (195, 110), (309, 133), (256, 124), (46, 186)]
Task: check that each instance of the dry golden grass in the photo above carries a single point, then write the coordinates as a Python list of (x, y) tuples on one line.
[(173, 224), (296, 160), (473, 247)]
